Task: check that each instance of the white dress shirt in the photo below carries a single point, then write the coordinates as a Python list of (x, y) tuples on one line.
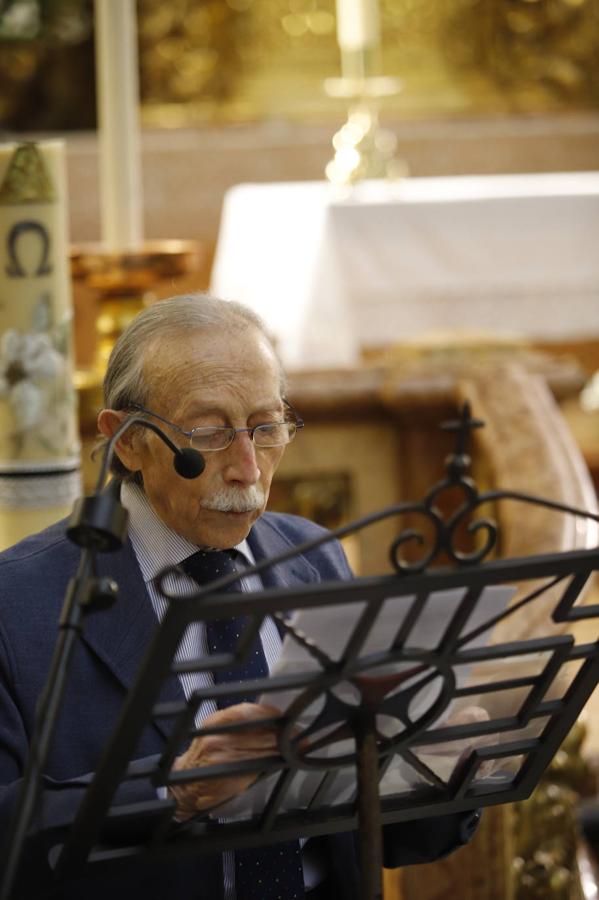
[(156, 547)]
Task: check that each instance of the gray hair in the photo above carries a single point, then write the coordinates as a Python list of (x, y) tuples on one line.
[(126, 382)]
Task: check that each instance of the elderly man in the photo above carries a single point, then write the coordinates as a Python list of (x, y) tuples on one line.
[(205, 371)]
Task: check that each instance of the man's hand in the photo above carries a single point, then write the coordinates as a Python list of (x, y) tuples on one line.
[(215, 749)]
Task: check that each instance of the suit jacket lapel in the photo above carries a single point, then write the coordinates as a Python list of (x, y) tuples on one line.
[(267, 541), (120, 635)]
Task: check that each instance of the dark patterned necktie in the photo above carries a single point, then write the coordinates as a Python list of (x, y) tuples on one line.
[(222, 635), (267, 873)]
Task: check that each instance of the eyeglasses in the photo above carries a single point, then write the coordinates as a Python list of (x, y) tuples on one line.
[(218, 437)]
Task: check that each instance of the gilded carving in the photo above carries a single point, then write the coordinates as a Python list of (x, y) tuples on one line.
[(545, 826), (243, 59), (539, 52)]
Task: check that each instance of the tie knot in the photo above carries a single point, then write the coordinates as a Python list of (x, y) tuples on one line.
[(208, 565)]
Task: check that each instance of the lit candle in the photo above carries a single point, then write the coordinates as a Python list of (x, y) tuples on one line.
[(357, 24), (39, 441), (117, 83)]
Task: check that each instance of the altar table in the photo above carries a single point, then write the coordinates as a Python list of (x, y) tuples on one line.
[(336, 271)]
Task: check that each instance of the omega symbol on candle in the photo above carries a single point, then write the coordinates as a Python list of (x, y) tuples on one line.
[(14, 269)]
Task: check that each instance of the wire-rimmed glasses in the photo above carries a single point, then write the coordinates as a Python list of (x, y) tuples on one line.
[(208, 438)]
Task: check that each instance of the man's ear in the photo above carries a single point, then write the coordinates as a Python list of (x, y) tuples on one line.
[(109, 420)]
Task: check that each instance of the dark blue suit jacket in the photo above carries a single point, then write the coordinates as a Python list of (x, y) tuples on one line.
[(33, 580)]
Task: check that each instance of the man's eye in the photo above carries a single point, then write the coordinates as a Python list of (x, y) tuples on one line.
[(211, 438)]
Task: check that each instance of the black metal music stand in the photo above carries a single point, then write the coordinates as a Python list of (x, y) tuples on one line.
[(369, 738)]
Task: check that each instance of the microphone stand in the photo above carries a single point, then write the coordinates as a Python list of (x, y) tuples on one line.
[(98, 523)]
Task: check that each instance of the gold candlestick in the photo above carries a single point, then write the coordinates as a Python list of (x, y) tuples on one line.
[(362, 148)]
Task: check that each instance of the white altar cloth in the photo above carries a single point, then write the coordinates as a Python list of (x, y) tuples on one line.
[(332, 272)]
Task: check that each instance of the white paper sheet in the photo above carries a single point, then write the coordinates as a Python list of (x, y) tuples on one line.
[(331, 628)]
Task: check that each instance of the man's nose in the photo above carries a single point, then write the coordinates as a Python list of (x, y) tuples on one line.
[(242, 464)]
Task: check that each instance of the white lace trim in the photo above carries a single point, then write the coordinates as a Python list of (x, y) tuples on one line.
[(39, 490)]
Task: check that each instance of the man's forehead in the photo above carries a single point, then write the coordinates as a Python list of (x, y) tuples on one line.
[(209, 347), (208, 371)]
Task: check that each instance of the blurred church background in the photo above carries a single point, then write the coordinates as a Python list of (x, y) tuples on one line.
[(423, 240)]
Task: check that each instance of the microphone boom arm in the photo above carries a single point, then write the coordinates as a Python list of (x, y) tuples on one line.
[(98, 523)]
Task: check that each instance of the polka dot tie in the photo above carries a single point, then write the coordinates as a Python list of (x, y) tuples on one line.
[(267, 873)]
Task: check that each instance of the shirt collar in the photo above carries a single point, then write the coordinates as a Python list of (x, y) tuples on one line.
[(155, 545)]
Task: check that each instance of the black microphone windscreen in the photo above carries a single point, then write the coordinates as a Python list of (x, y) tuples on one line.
[(189, 463)]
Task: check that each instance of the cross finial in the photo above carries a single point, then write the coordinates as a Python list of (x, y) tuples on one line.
[(462, 427)]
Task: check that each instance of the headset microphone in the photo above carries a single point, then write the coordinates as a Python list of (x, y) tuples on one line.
[(99, 521), (189, 463)]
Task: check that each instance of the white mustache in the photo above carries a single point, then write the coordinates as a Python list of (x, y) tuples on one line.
[(236, 499)]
